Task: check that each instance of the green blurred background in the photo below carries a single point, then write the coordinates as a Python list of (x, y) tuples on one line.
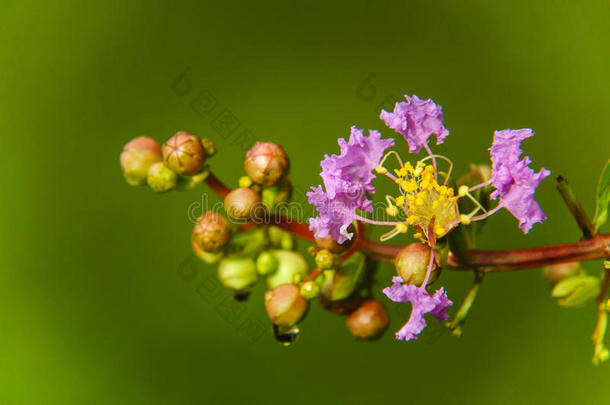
[(92, 306)]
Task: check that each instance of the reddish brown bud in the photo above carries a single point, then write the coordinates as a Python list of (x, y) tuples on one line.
[(212, 232), (184, 153), (266, 163), (412, 264), (243, 204), (137, 157), (285, 305), (558, 272), (368, 321)]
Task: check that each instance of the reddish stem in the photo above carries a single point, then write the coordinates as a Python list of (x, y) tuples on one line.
[(487, 261)]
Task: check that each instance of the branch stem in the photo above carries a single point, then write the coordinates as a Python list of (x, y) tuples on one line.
[(579, 214)]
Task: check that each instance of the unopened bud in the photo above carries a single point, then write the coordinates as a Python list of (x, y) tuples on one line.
[(266, 263), (137, 157), (325, 259), (245, 181), (266, 163), (161, 178), (368, 321), (184, 153), (237, 274), (291, 267), (212, 232), (330, 244), (280, 238), (206, 257), (557, 272), (242, 204), (310, 289), (412, 264), (208, 146), (285, 305), (574, 292), (274, 195)]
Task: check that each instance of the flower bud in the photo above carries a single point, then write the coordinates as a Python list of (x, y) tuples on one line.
[(325, 259), (266, 263), (558, 272), (291, 267), (285, 305), (274, 195), (212, 232), (206, 257), (368, 321), (329, 243), (266, 163), (310, 289), (412, 264), (137, 157), (237, 274), (184, 153), (161, 178), (574, 292), (243, 204)]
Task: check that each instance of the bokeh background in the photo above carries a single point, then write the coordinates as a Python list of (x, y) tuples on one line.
[(92, 305)]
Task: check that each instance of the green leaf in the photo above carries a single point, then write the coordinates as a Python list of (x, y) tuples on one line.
[(603, 198), (348, 276), (574, 292)]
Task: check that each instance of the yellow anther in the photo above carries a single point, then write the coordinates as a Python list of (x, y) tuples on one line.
[(449, 191), (411, 219), (465, 219), (397, 172), (443, 190), (409, 186), (400, 201), (463, 190), (417, 235), (446, 205), (441, 198), (391, 210), (439, 231), (410, 197), (417, 171), (401, 227), (409, 167), (419, 201), (381, 170), (435, 204), (422, 194)]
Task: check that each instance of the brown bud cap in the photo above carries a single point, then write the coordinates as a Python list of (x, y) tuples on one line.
[(285, 305), (212, 232), (412, 263), (558, 272), (137, 157), (184, 153), (368, 321), (266, 163), (330, 244), (243, 204)]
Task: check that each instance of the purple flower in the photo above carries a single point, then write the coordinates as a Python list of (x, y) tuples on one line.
[(417, 120), (347, 180), (422, 303), (513, 179)]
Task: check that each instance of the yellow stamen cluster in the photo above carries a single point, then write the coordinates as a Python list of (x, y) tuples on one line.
[(428, 206)]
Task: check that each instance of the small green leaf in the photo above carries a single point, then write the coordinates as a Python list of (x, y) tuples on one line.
[(348, 276), (603, 197), (574, 292)]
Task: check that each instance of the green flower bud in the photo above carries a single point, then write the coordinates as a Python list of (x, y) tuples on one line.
[(369, 321), (274, 195), (137, 157), (291, 265), (557, 272), (266, 163), (412, 264), (242, 204), (237, 274), (310, 289), (245, 181), (266, 263), (285, 305), (184, 153), (478, 174), (325, 259), (574, 292), (212, 232), (161, 178)]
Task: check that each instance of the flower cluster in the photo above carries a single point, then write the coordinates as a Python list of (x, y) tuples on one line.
[(347, 182), (430, 207)]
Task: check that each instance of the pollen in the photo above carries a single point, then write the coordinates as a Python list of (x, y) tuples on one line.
[(401, 227), (392, 210), (381, 170)]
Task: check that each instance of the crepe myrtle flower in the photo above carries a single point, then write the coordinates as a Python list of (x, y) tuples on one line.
[(347, 181), (417, 120), (422, 303)]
